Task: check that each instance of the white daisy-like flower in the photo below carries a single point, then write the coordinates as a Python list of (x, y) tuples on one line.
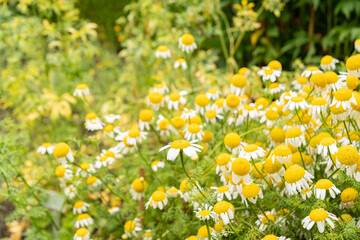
[(328, 62), (295, 137), (155, 100), (155, 165), (175, 99), (273, 237), (85, 170), (82, 234), (238, 84), (212, 94), (187, 43), (132, 227), (70, 191), (264, 220), (310, 71), (93, 122), (84, 220), (45, 148), (148, 235), (173, 192), (64, 172), (224, 211), (252, 151), (157, 200), (300, 82), (194, 131), (296, 103), (212, 116), (135, 136), (205, 212), (93, 181), (81, 90), (343, 97), (327, 146), (180, 63), (296, 179), (325, 184), (275, 88), (137, 188), (187, 114), (250, 192), (306, 193), (268, 73), (164, 126), (319, 216), (318, 106), (80, 207), (160, 88), (163, 51), (222, 191), (111, 118), (113, 210), (146, 117), (63, 153), (189, 148)]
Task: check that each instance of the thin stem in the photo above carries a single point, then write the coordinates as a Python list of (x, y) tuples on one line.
[(347, 132), (236, 233), (257, 204), (156, 133), (208, 229), (302, 159), (332, 174)]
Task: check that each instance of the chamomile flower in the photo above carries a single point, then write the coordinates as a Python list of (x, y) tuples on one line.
[(156, 100), (110, 130), (93, 122), (111, 118), (175, 99), (282, 153), (232, 102), (93, 181), (353, 65), (296, 103), (322, 185), (113, 210), (157, 200), (295, 137), (192, 237), (160, 88), (163, 51), (238, 84), (310, 71), (85, 170), (318, 106), (273, 237), (327, 62), (81, 90), (225, 211), (135, 136), (205, 212), (203, 233), (137, 188), (277, 136), (64, 172), (327, 146), (333, 81), (80, 207), (155, 165), (240, 170), (275, 88), (319, 216), (222, 191), (348, 197), (252, 152), (274, 169), (164, 126), (173, 192), (233, 142), (105, 159), (300, 82), (223, 163), (343, 97), (82, 234), (62, 152), (45, 148), (347, 158), (251, 192), (350, 81), (187, 43), (268, 73), (306, 194), (212, 94), (84, 220), (244, 71), (211, 116), (188, 114), (146, 117), (296, 179), (202, 103), (264, 220), (275, 64), (180, 63), (132, 227), (70, 191), (188, 148), (249, 111)]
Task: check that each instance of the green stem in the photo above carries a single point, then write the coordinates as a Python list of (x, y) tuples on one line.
[(208, 229), (236, 233), (332, 174), (347, 132), (302, 159)]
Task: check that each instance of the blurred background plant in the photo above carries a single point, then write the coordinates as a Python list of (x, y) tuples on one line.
[(49, 47)]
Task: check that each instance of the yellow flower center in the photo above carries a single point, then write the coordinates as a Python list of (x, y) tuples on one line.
[(250, 190), (212, 90), (172, 190), (180, 144), (271, 114), (146, 115), (81, 87), (78, 204), (269, 216), (60, 171), (353, 62), (91, 180), (163, 124), (274, 64), (219, 102), (175, 96), (130, 226), (302, 80), (85, 165), (251, 148), (270, 237), (162, 48), (46, 145), (148, 234), (178, 122), (324, 184), (318, 215), (268, 71), (138, 185), (349, 195), (204, 213), (241, 166), (91, 116), (232, 101), (273, 85), (243, 70), (232, 140), (297, 99), (134, 132), (294, 174), (159, 86), (210, 114), (352, 82), (319, 79), (249, 107), (271, 167), (158, 196), (108, 128), (81, 232), (221, 207), (222, 159), (238, 80), (109, 153), (312, 69), (319, 101), (155, 97), (202, 232), (180, 60), (327, 59), (327, 141), (82, 216), (282, 151), (343, 94), (61, 150), (196, 119), (331, 77), (293, 132), (202, 100), (258, 166), (208, 137), (277, 135), (223, 189), (185, 185), (187, 39), (347, 155)]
